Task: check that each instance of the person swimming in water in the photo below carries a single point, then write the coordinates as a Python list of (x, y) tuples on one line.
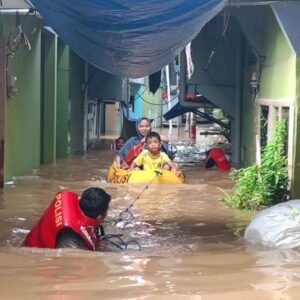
[(72, 221)]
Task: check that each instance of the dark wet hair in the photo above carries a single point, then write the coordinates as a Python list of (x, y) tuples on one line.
[(120, 138), (152, 134), (94, 202)]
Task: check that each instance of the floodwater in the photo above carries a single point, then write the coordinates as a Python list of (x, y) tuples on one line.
[(192, 246)]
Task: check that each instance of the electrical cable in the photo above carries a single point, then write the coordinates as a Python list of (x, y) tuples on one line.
[(119, 243), (127, 209), (151, 103)]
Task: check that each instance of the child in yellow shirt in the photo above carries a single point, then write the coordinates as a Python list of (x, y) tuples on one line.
[(152, 158)]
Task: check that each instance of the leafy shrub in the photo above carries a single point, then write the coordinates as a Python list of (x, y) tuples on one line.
[(265, 184)]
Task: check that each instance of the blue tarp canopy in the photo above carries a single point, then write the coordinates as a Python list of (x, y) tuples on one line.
[(131, 38)]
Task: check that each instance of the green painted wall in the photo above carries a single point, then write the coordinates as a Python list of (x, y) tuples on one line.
[(38, 127), (49, 97), (248, 123), (63, 90), (22, 111), (279, 69), (149, 110), (77, 67), (143, 107), (277, 80), (296, 166)]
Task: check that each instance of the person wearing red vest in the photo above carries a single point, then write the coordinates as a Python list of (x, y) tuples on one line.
[(216, 156), (71, 222)]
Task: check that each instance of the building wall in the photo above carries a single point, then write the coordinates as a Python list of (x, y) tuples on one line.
[(143, 107), (248, 130), (277, 79), (63, 98), (296, 156), (44, 119), (22, 111), (279, 69), (48, 97), (76, 104)]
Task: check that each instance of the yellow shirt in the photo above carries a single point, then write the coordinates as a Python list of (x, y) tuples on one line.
[(148, 162)]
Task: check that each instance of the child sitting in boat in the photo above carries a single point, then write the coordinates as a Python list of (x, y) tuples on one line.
[(133, 147), (117, 144), (153, 157)]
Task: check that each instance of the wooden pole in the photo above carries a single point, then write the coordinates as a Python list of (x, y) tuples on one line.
[(2, 108)]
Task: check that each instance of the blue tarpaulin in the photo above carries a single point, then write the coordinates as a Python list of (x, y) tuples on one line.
[(130, 38)]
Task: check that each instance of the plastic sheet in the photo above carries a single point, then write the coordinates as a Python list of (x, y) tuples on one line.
[(130, 38), (277, 226)]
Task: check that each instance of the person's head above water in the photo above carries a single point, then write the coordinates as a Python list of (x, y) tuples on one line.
[(119, 143), (153, 142), (143, 127), (94, 202)]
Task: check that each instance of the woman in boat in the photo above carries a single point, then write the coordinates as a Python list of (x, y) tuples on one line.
[(143, 127)]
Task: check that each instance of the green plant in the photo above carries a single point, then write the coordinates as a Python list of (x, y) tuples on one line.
[(265, 184), (218, 114)]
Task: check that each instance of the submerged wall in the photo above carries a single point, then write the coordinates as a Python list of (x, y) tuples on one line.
[(44, 118), (76, 104), (63, 98), (22, 110)]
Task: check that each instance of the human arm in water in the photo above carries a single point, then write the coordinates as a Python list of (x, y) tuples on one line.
[(69, 239)]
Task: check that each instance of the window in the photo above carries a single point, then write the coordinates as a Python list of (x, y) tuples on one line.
[(264, 125)]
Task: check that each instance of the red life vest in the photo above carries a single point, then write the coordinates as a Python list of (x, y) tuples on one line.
[(64, 211), (218, 156), (133, 153)]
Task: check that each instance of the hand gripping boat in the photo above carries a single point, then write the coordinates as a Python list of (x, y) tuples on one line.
[(142, 176)]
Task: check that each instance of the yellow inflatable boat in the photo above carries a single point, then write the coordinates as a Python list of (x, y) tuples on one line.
[(142, 176)]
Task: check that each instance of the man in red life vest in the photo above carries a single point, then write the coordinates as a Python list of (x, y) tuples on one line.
[(71, 222), (216, 156)]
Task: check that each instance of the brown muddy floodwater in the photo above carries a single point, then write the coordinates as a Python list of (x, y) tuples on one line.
[(192, 246)]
